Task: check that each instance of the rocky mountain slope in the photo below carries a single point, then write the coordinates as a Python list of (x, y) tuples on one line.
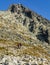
[(24, 37)]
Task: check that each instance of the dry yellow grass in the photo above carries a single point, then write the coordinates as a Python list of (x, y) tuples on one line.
[(34, 50)]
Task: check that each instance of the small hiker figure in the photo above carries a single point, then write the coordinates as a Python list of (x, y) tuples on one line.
[(19, 45)]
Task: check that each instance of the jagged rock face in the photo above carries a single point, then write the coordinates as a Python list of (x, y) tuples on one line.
[(49, 34), (23, 32), (34, 23), (16, 8)]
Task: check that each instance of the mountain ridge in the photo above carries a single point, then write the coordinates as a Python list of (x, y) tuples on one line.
[(27, 13), (27, 8), (24, 37)]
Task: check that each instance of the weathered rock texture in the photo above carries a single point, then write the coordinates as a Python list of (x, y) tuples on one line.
[(23, 32)]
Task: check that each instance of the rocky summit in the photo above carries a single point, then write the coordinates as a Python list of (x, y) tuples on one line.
[(24, 37)]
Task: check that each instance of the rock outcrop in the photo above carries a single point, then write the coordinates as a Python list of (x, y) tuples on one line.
[(24, 33), (32, 21), (23, 60)]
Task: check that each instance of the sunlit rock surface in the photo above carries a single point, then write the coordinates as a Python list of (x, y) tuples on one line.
[(24, 37)]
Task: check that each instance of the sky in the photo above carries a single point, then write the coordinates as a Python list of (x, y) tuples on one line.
[(41, 7)]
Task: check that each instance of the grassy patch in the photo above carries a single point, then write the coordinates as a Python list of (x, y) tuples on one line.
[(34, 50)]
